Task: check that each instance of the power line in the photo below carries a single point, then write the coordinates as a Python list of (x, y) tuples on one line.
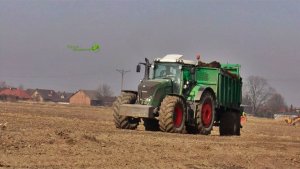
[(123, 72)]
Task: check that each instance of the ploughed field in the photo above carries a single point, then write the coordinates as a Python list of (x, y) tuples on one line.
[(65, 136)]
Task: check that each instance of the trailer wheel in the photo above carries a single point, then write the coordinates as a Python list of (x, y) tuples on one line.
[(230, 124), (151, 124), (172, 115), (238, 124), (124, 122), (206, 113)]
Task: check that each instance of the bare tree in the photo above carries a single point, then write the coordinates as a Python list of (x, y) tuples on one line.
[(275, 104), (258, 91), (103, 91), (246, 102), (291, 108), (21, 86), (3, 84)]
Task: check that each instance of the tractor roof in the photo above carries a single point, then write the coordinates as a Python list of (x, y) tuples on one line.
[(175, 58)]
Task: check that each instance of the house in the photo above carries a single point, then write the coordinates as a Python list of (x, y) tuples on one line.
[(30, 91), (64, 96), (13, 94), (85, 97), (44, 95), (108, 101)]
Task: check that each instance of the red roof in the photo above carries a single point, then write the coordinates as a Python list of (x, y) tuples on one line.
[(15, 92)]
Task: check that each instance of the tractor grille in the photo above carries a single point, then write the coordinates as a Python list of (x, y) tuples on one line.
[(147, 89)]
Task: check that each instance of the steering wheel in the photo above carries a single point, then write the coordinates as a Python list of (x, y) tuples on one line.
[(162, 73)]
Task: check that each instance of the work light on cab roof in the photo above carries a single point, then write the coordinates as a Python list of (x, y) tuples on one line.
[(175, 58)]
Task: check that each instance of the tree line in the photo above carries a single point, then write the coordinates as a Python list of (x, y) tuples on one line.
[(261, 99)]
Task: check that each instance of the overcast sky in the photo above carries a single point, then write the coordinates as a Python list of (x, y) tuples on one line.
[(262, 36)]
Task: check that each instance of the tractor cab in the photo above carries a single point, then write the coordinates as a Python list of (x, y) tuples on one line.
[(167, 72), (168, 75)]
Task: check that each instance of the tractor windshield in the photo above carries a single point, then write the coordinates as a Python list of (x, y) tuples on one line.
[(167, 71)]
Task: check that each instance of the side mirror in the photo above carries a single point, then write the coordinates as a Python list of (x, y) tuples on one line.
[(147, 61), (138, 68), (192, 70)]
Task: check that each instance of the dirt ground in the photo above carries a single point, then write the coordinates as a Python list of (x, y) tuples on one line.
[(63, 136)]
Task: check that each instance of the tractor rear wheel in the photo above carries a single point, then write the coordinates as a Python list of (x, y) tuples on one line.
[(151, 124), (172, 115), (124, 122), (206, 113), (230, 124)]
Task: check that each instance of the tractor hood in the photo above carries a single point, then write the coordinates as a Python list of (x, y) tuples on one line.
[(151, 92)]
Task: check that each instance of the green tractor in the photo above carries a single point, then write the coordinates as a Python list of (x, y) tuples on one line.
[(180, 96)]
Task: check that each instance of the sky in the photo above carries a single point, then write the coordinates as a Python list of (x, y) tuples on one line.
[(261, 35)]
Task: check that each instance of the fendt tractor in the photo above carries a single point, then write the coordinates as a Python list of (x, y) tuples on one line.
[(180, 96)]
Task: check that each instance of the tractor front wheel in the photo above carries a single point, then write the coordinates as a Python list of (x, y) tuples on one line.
[(124, 122), (172, 115)]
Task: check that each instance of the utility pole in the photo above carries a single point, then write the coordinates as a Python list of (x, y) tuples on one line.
[(123, 72)]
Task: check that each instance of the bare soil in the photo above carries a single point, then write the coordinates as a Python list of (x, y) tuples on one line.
[(64, 136)]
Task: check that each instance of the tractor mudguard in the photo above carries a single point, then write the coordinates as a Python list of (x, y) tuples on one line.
[(184, 99)]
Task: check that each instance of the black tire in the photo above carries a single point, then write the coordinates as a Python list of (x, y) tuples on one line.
[(151, 124), (172, 115), (238, 124), (230, 124), (124, 122), (205, 113)]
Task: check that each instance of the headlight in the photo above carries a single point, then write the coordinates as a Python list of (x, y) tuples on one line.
[(148, 100)]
